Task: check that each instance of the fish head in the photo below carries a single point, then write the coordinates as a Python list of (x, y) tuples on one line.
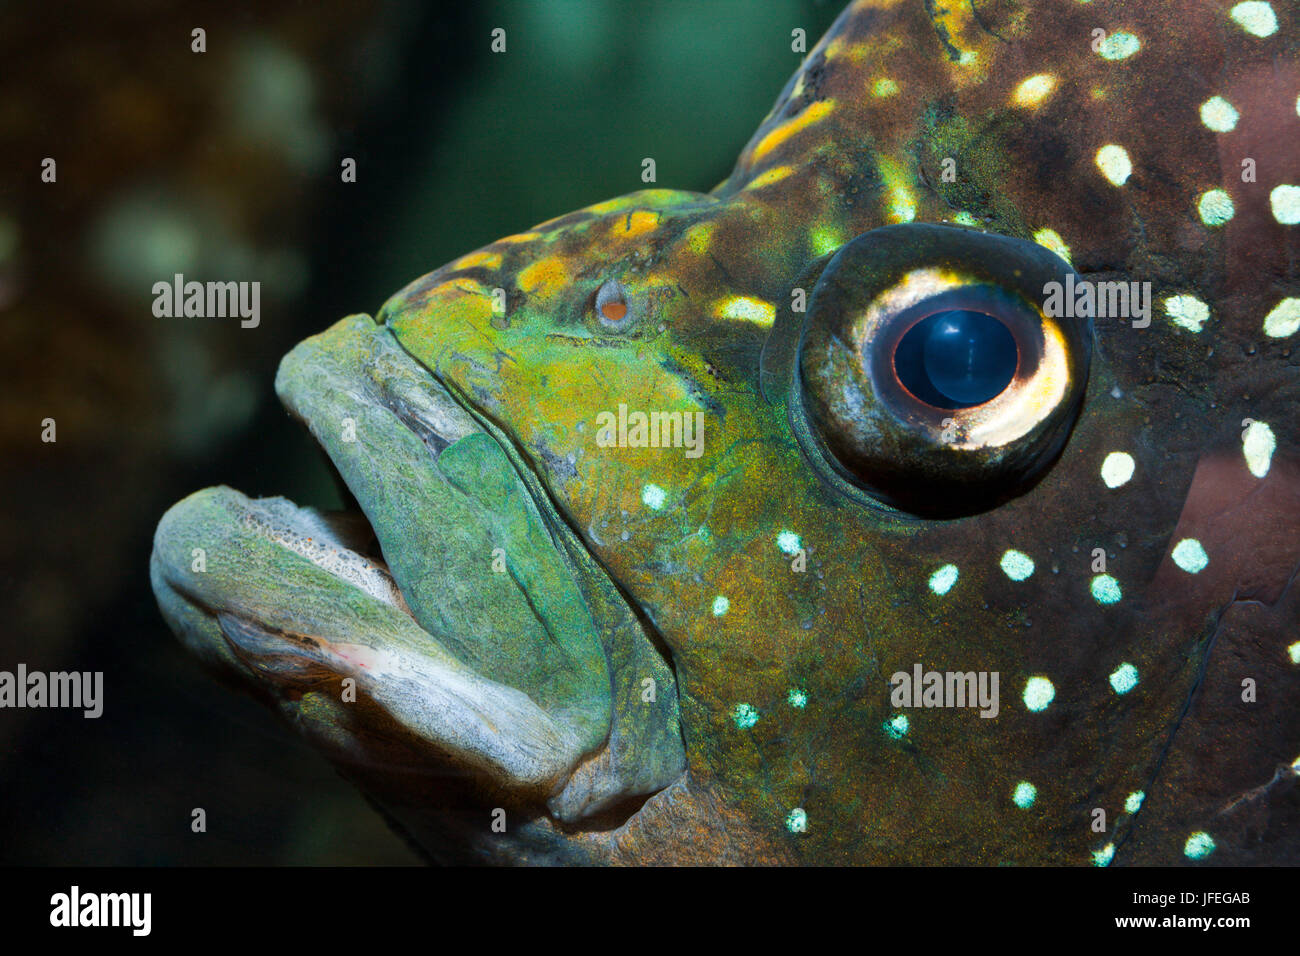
[(924, 493)]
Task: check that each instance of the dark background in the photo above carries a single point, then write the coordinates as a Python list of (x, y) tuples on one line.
[(225, 165)]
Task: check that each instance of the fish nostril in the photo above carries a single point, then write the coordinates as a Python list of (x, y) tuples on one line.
[(612, 306)]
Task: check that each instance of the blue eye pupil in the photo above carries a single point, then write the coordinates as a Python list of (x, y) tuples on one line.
[(956, 359)]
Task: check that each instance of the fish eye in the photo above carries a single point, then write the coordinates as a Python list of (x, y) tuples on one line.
[(611, 306), (956, 358), (930, 378)]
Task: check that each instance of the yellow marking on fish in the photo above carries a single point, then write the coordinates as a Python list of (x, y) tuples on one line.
[(884, 87), (774, 138), (745, 308), (638, 223), (645, 199), (459, 287), (699, 237), (966, 36), (900, 202), (956, 18), (1033, 91), (1051, 239), (483, 259), (823, 239), (854, 53), (521, 237), (609, 205), (1004, 421), (544, 276), (773, 175), (465, 301)]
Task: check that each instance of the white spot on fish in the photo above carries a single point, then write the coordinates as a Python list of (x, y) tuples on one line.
[(897, 726), (1016, 564), (1039, 692), (1219, 115), (653, 497), (1284, 319), (1117, 469), (1257, 446), (1285, 200), (1114, 164), (1024, 795), (902, 207), (1105, 589), (1189, 554), (1215, 207), (789, 542), (1187, 311), (1118, 46), (1255, 17), (720, 606), (941, 581), (1199, 845), (1124, 678)]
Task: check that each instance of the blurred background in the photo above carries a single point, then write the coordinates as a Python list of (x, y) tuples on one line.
[(226, 165)]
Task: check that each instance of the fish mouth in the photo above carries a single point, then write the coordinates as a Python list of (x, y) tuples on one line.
[(452, 623)]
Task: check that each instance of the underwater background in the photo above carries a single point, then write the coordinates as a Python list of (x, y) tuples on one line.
[(227, 163)]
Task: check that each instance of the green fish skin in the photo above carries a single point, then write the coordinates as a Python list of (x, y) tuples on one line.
[(554, 640)]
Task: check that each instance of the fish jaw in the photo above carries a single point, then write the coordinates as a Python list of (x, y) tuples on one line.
[(485, 647)]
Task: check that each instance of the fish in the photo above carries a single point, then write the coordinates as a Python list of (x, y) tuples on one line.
[(925, 493)]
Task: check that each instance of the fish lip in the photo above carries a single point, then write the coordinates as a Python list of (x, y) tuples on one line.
[(197, 610), (340, 542), (279, 655), (251, 626)]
